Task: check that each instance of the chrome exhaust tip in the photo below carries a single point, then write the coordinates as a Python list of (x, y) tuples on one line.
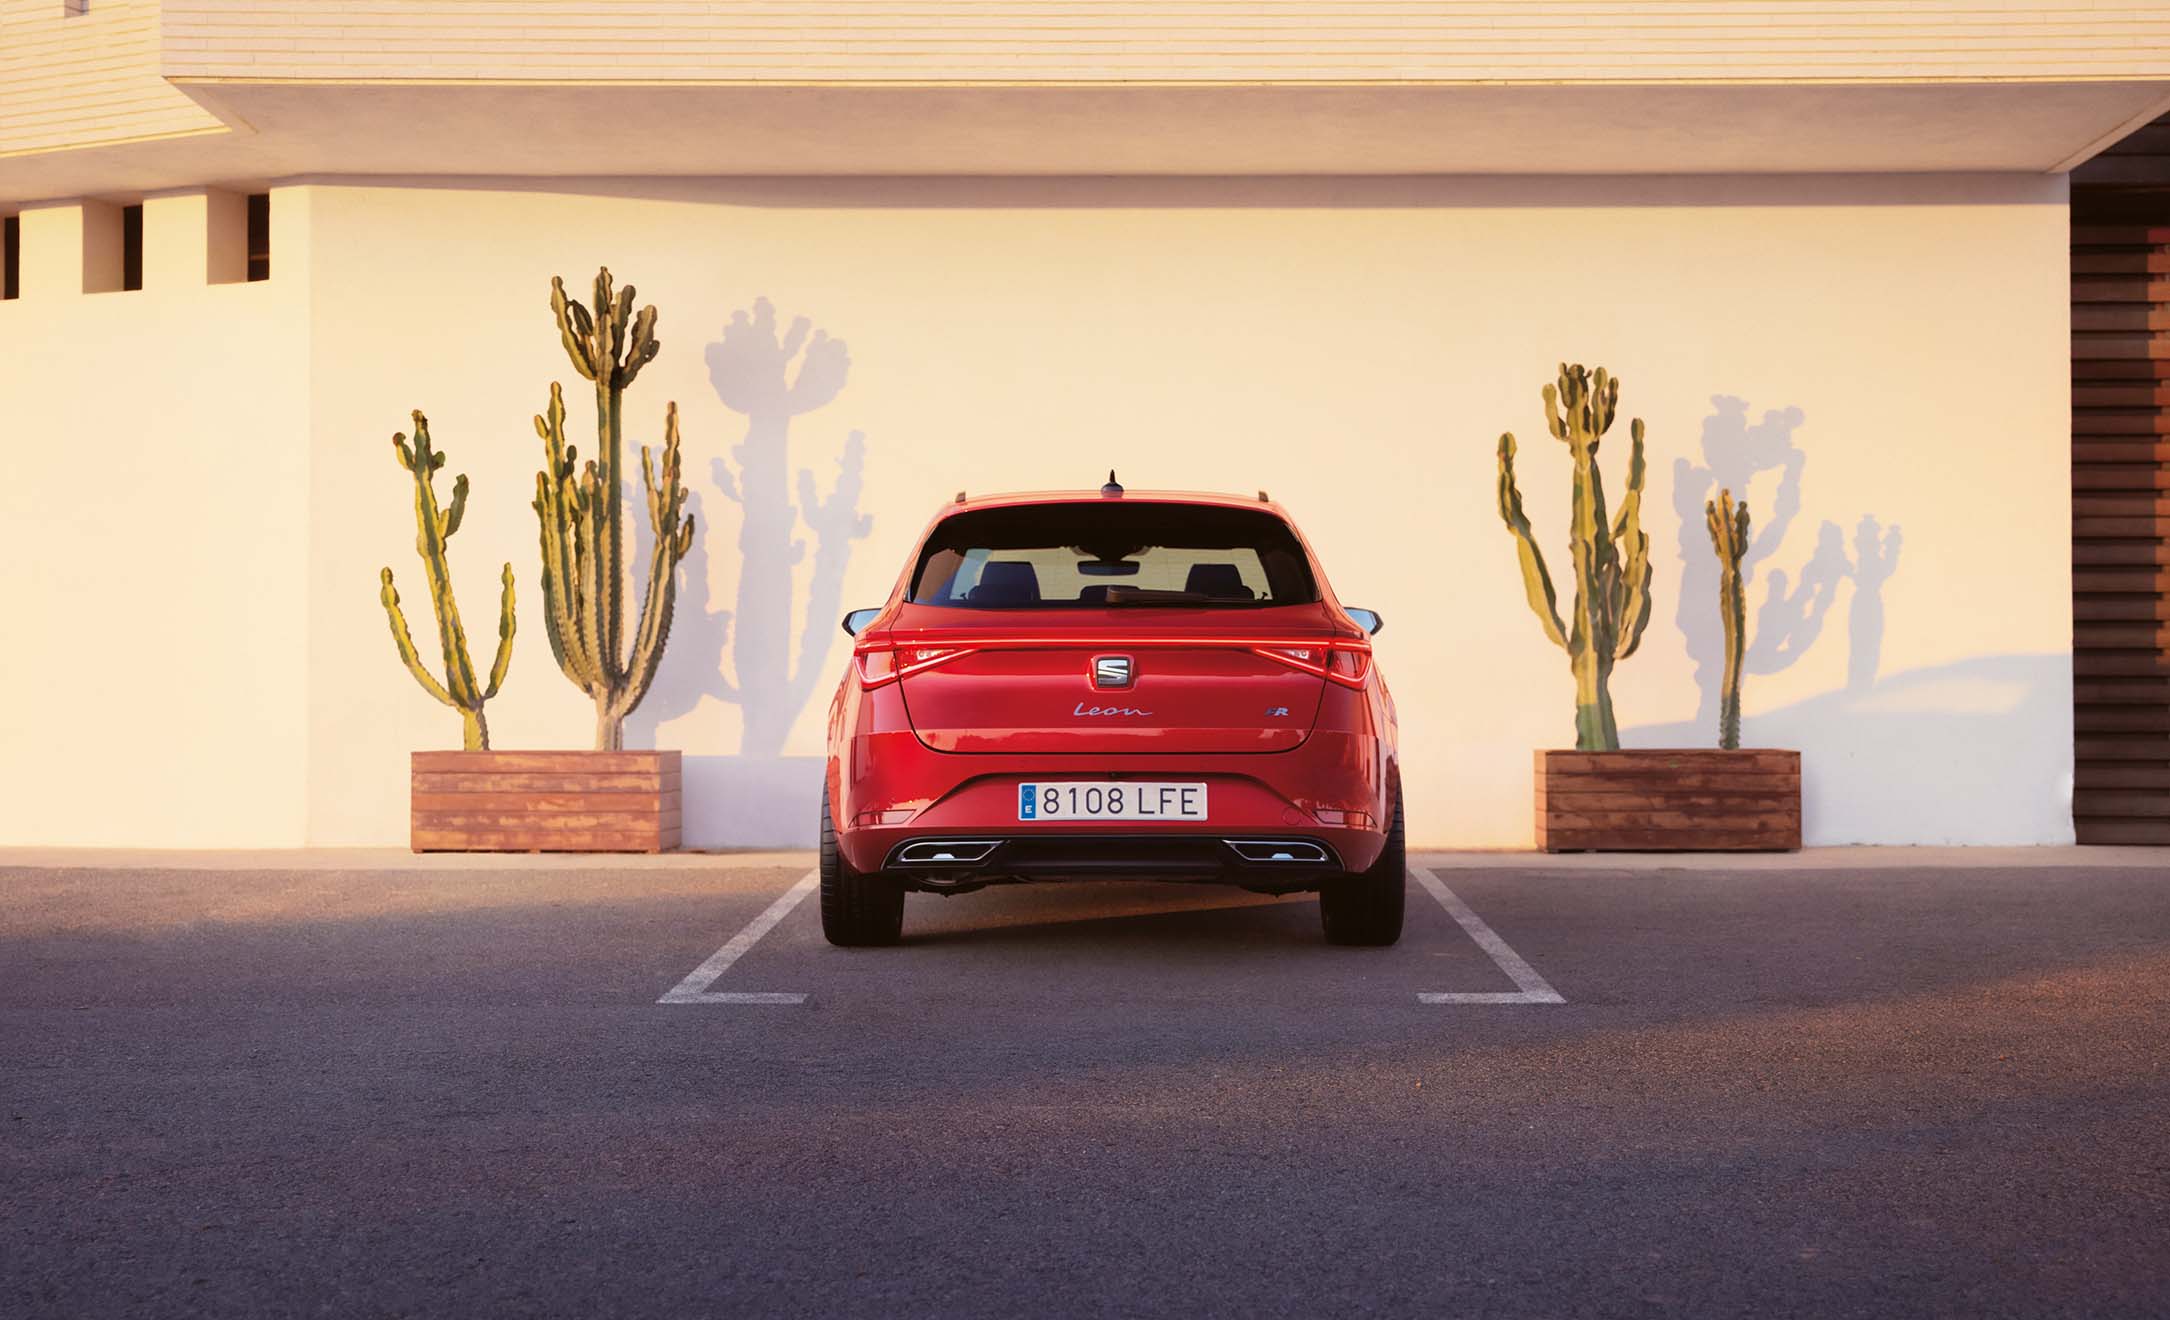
[(945, 852), (1278, 852)]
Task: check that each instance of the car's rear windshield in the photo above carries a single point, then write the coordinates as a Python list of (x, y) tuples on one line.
[(1104, 553)]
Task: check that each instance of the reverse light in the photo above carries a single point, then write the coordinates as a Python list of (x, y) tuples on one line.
[(1355, 820)]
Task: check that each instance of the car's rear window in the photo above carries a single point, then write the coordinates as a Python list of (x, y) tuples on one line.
[(1108, 553)]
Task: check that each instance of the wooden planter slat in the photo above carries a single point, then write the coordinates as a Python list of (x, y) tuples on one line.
[(528, 782), (612, 803), (1704, 840), (513, 841), (1702, 760), (1672, 800), (555, 763), (545, 801), (1759, 800)]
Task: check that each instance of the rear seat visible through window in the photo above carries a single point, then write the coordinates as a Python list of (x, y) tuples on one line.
[(1107, 555)]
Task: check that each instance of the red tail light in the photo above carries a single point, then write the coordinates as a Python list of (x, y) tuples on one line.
[(880, 663), (1345, 663)]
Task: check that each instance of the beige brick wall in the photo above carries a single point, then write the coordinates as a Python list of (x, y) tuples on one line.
[(86, 79), (1166, 40)]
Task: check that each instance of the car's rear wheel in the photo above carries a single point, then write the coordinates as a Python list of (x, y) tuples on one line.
[(1367, 908), (857, 911)]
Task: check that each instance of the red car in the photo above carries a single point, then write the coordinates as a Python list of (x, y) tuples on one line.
[(1125, 685)]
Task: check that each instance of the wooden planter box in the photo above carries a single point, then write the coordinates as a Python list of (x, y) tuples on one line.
[(1689, 800), (545, 801)]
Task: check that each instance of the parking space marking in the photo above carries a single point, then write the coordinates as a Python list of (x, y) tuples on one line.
[(694, 989), (1534, 989)]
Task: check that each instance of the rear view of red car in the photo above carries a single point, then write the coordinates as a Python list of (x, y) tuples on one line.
[(1112, 686)]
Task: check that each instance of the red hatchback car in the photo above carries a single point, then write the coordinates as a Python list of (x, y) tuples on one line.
[(1127, 685)]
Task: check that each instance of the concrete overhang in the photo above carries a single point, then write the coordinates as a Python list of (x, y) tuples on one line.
[(283, 129)]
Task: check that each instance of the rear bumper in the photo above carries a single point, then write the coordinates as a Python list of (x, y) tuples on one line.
[(890, 792)]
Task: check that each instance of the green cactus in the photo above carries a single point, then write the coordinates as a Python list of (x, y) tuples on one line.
[(433, 528), (1729, 537), (1611, 561), (582, 546)]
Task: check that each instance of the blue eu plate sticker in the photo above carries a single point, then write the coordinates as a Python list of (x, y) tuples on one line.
[(1028, 800)]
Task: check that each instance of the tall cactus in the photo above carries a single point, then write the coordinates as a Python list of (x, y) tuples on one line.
[(433, 528), (577, 507), (1611, 560), (1729, 537)]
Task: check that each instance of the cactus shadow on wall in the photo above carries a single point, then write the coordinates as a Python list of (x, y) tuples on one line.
[(1789, 618), (698, 631), (770, 376), (1986, 731)]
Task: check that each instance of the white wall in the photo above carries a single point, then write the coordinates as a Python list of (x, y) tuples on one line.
[(1353, 346), (154, 520)]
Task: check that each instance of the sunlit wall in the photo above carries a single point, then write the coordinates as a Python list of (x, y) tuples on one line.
[(1880, 363)]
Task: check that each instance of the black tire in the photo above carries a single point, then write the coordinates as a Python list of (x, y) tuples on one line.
[(857, 911), (1367, 909)]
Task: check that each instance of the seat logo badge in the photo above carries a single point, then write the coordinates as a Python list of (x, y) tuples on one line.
[(1111, 671)]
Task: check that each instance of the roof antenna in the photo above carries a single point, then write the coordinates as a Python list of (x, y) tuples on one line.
[(1111, 490)]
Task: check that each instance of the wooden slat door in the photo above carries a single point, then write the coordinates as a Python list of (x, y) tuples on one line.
[(2121, 531)]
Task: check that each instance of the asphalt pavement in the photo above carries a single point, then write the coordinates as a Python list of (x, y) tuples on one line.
[(1771, 1089)]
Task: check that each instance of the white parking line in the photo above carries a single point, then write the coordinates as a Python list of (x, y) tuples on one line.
[(1534, 989), (694, 989)]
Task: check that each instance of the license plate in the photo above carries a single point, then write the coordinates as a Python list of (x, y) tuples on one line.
[(1105, 800)]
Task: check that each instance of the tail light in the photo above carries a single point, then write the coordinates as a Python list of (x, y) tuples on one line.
[(881, 663), (1346, 663)]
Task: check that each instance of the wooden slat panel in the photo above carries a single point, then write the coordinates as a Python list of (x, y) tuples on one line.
[(2132, 289), (2113, 504), (2127, 261), (2120, 235), (2134, 775), (2130, 804), (2121, 636), (2119, 609), (2108, 747), (2121, 517), (2112, 346), (2105, 663), (2122, 394), (2124, 690), (2094, 553), (2126, 831), (2121, 719), (2108, 435), (2120, 477), (2143, 581), (2136, 317), (2107, 369)]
